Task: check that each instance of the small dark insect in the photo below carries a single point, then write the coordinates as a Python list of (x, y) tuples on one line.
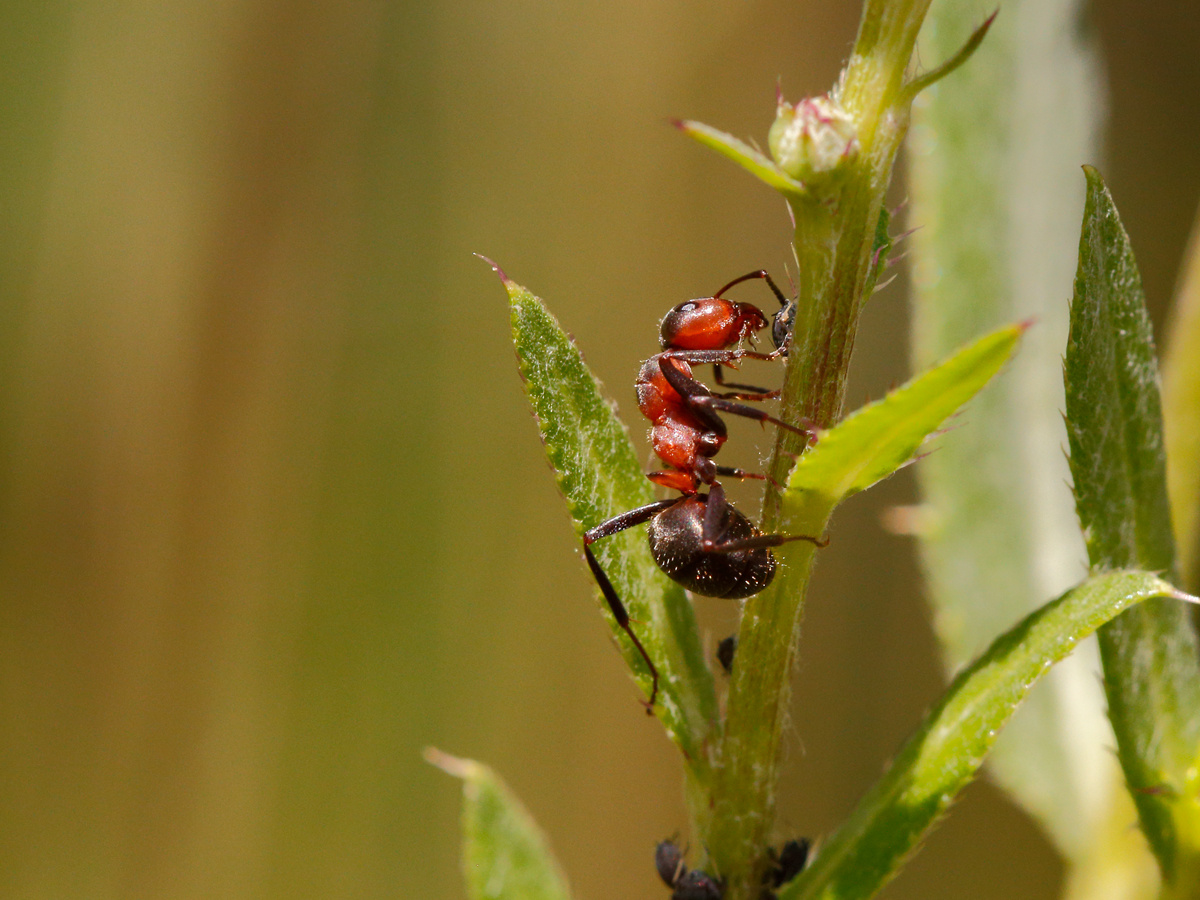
[(668, 859), (785, 865), (699, 540), (725, 652), (685, 885)]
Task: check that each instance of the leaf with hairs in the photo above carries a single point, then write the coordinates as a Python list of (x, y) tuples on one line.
[(505, 854), (948, 749), (1114, 425), (598, 471)]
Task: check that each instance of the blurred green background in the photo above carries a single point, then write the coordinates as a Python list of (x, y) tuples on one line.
[(275, 516)]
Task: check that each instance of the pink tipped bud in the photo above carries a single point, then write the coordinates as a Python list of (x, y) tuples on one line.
[(813, 140)]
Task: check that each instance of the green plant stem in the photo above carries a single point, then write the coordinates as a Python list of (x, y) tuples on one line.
[(834, 241)]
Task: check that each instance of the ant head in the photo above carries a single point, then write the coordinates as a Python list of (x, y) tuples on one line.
[(781, 325), (710, 323)]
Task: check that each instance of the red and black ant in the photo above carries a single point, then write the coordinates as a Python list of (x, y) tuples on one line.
[(699, 540)]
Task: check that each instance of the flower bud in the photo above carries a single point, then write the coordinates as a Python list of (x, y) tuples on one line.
[(813, 140)]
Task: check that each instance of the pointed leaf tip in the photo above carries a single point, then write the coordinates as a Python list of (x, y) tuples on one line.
[(914, 87), (956, 736), (495, 268), (451, 765), (505, 854), (1186, 597), (749, 158)]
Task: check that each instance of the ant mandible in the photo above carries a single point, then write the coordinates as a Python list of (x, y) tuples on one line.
[(699, 540)]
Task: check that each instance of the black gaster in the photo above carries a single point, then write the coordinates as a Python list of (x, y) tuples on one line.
[(676, 543)]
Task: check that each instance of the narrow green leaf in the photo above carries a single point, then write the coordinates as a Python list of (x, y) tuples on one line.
[(505, 854), (1114, 425), (933, 76), (863, 448), (876, 440), (881, 248), (598, 472), (753, 161), (1181, 416), (992, 158), (945, 753)]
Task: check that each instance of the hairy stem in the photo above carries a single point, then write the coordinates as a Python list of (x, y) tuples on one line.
[(834, 242)]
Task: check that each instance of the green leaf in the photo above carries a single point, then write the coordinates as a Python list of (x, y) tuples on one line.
[(933, 76), (876, 440), (881, 249), (598, 472), (505, 854), (753, 161), (1114, 425), (992, 162), (865, 447), (1181, 416), (944, 754)]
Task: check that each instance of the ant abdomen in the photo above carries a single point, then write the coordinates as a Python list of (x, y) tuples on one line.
[(677, 543)]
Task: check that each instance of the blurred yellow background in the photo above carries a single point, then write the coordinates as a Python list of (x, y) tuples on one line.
[(275, 516)]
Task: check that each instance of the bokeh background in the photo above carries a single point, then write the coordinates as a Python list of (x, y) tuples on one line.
[(273, 513)]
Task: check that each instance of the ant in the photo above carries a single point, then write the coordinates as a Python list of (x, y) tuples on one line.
[(784, 865), (699, 540), (684, 884), (725, 653)]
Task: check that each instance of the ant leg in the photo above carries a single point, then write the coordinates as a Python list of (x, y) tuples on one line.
[(714, 514), (808, 429), (731, 472), (761, 273), (758, 392), (701, 401), (620, 614), (743, 474), (724, 357), (712, 534), (766, 541)]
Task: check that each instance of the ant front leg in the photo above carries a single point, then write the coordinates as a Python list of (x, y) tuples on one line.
[(613, 526), (761, 273)]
